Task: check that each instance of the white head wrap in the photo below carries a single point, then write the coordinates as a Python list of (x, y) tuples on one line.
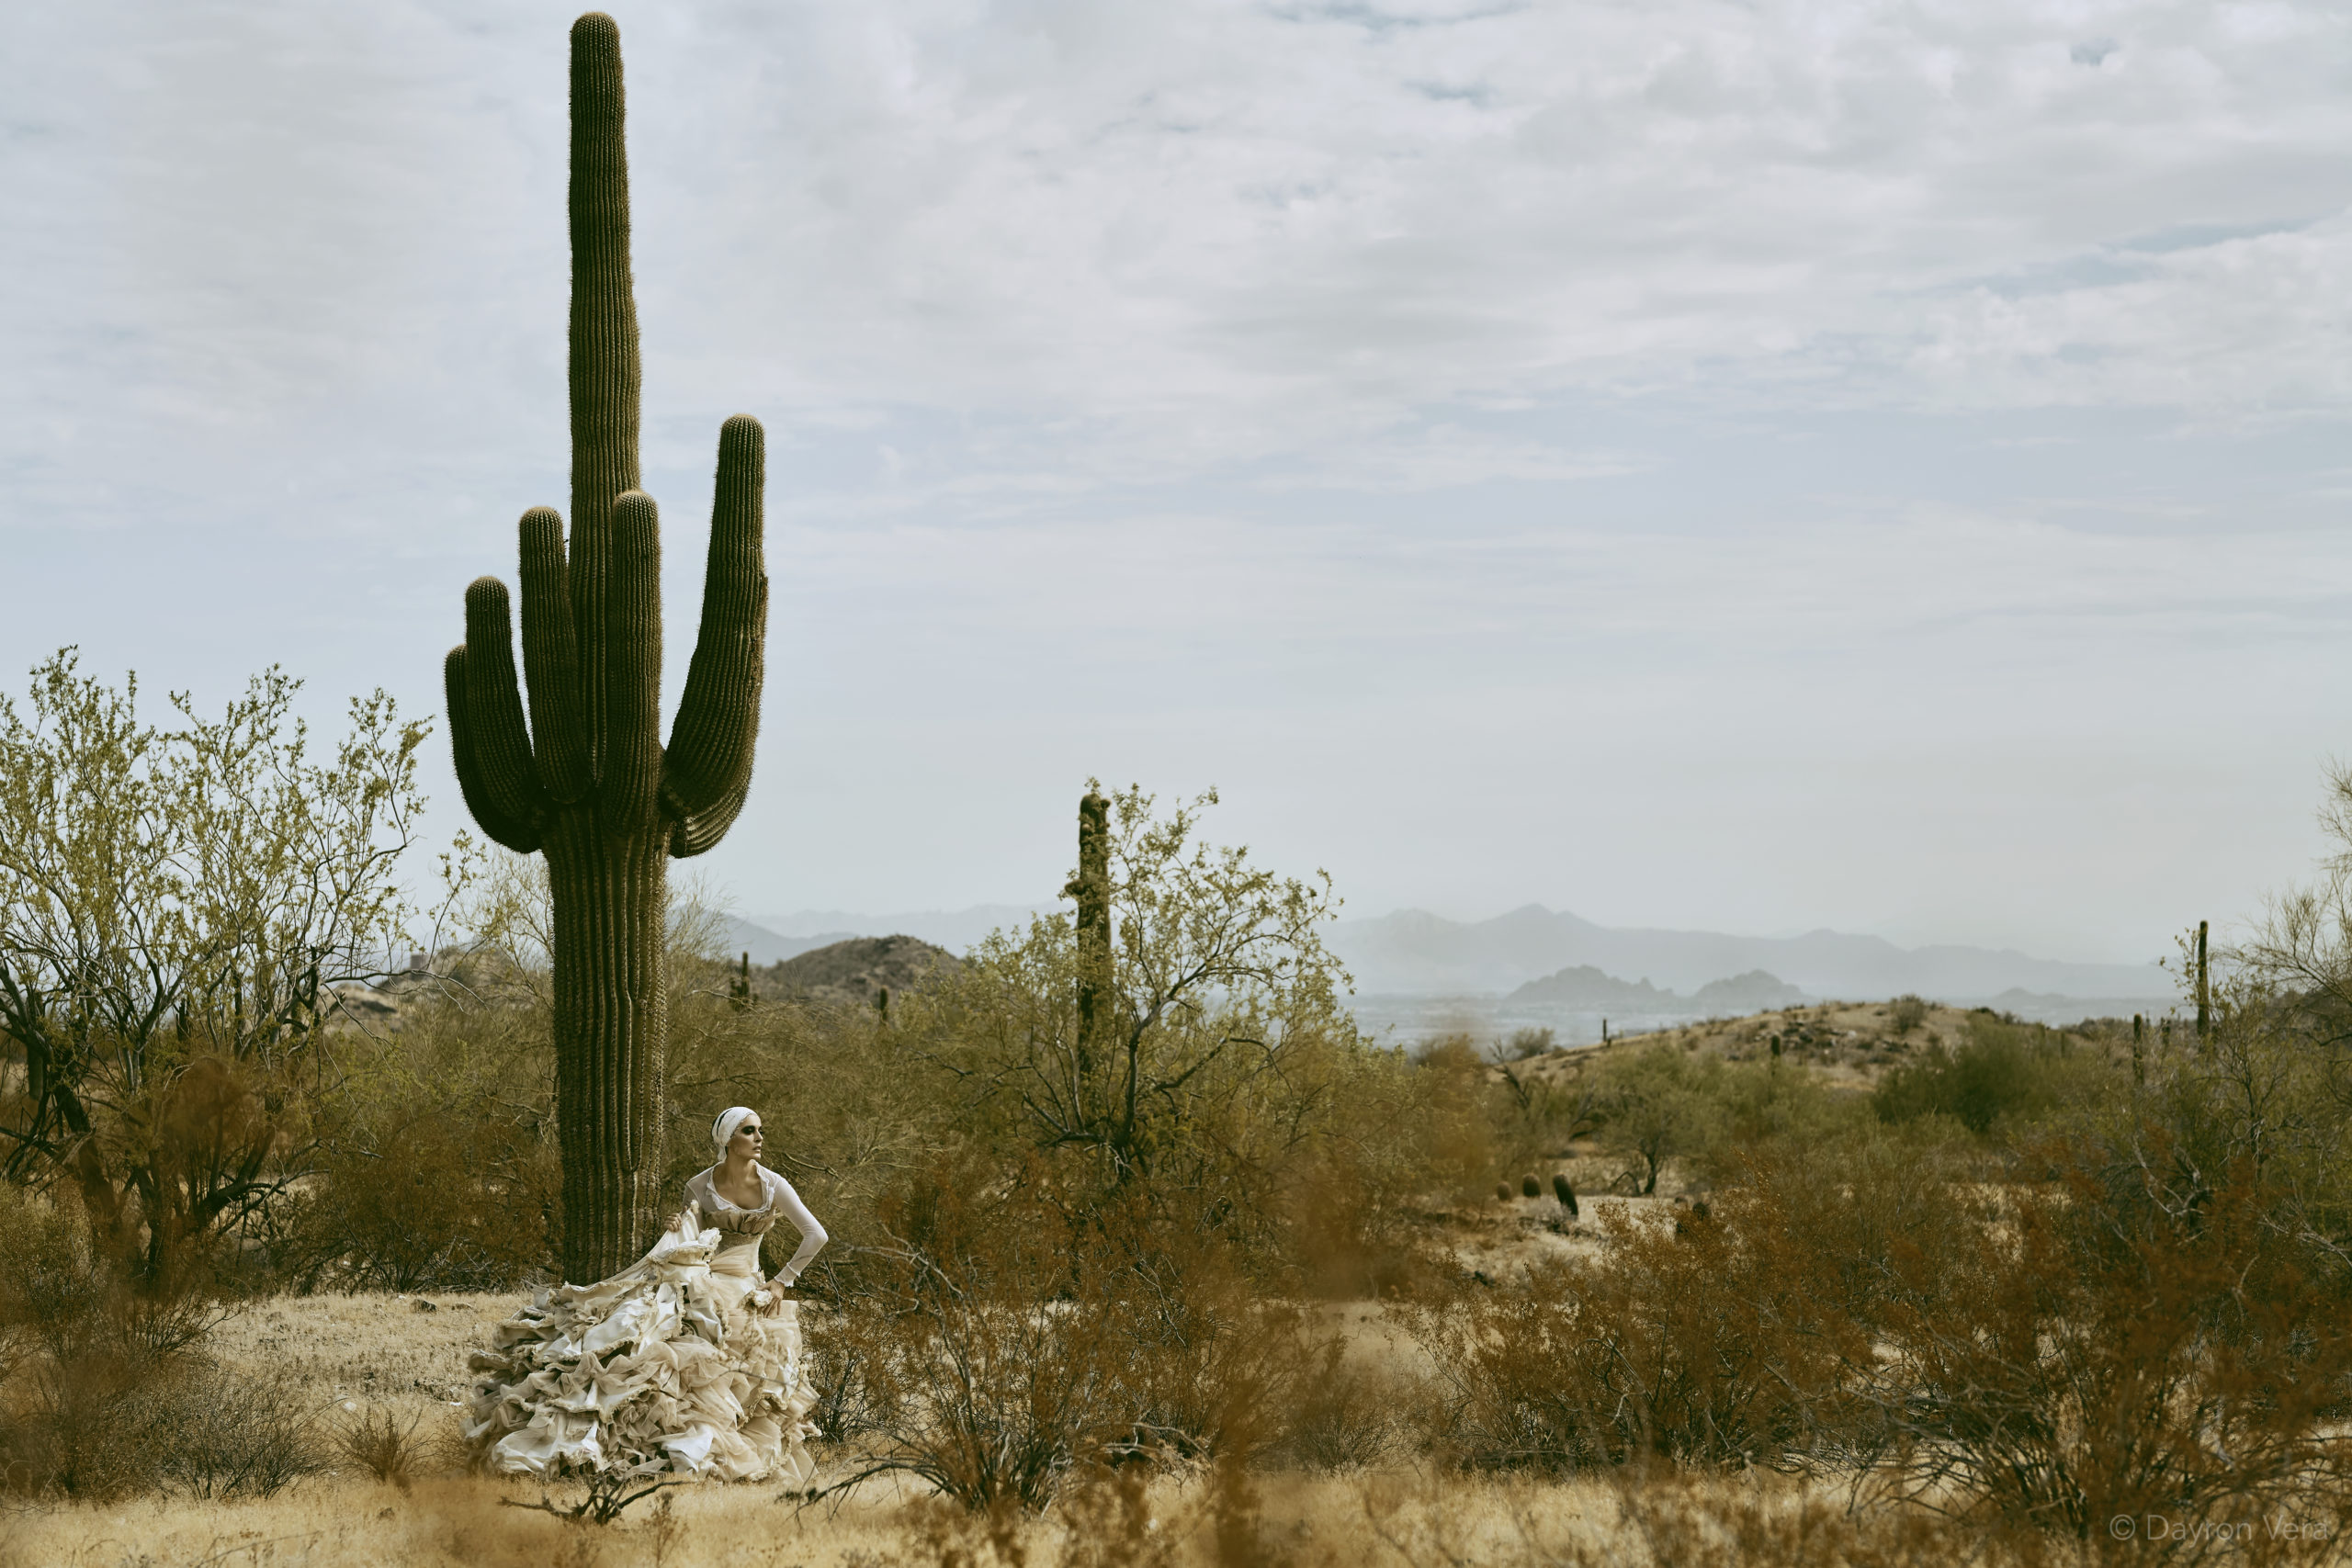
[(722, 1131)]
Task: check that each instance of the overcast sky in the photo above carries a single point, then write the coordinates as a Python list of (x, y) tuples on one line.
[(1746, 466)]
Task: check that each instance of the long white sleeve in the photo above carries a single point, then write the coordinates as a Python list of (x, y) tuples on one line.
[(812, 1234)]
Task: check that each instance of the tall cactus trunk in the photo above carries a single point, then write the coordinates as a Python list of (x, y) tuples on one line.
[(1092, 887), (612, 1027), (2204, 993), (588, 780)]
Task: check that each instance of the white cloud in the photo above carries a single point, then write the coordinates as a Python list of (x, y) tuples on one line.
[(1210, 231), (1427, 396)]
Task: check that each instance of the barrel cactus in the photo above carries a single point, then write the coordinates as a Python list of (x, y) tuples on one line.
[(1565, 1192), (587, 780)]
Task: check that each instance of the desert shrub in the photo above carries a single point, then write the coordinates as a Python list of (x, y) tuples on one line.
[(1522, 1043), (80, 1340), (1004, 1352), (852, 1365), (1657, 1104), (2098, 1348), (1726, 1338), (108, 1391), (1212, 1056), (2005, 1071), (177, 907), (1907, 1013), (375, 1440), (1464, 1123), (1343, 1419), (1015, 1340), (1772, 1109), (432, 1200), (217, 1434)]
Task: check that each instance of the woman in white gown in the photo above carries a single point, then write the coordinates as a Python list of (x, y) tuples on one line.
[(684, 1362)]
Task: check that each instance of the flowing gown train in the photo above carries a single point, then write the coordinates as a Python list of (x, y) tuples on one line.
[(666, 1367)]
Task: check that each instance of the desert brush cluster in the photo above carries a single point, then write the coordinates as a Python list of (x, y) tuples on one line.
[(1142, 1252)]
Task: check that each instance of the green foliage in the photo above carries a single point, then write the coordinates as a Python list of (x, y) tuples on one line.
[(1523, 1044), (1907, 1014), (177, 907), (1657, 1104), (2005, 1071), (1221, 1057)]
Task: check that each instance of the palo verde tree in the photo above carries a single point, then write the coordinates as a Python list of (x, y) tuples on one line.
[(177, 907), (1187, 1028), (587, 781)]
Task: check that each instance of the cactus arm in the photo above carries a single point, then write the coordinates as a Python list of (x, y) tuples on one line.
[(699, 832), (605, 369), (709, 756), (552, 660), (633, 663), (502, 746), (517, 836)]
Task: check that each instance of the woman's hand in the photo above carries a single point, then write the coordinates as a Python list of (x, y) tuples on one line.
[(682, 1222), (772, 1300)]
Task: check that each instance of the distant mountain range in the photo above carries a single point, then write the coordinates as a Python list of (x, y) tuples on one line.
[(1413, 952)]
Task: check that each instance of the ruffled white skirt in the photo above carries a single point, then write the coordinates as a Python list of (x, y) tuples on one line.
[(666, 1367)]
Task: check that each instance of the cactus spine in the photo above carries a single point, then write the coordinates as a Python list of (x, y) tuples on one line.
[(588, 781)]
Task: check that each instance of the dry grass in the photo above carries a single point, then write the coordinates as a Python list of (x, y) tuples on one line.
[(1398, 1516), (354, 1354), (1350, 1495)]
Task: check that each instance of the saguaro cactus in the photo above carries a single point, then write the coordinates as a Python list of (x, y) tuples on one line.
[(588, 781), (1091, 888), (2204, 993)]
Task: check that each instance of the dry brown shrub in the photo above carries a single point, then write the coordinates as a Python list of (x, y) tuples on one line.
[(375, 1440), (1009, 1341), (108, 1390), (1718, 1339), (1345, 1419), (429, 1198), (1658, 1517), (2105, 1346)]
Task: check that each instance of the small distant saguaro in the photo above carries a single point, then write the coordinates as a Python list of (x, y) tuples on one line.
[(2204, 993), (587, 781), (1091, 888)]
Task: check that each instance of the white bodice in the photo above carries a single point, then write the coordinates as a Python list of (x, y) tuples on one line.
[(744, 1227)]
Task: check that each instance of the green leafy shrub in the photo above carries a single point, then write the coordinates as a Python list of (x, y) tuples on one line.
[(2004, 1071), (1657, 1104)]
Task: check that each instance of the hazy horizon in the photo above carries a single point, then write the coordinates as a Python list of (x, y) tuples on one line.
[(1739, 469), (806, 922)]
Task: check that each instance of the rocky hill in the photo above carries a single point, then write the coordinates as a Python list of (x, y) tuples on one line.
[(854, 972)]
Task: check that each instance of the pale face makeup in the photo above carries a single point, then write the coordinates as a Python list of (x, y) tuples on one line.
[(747, 1144)]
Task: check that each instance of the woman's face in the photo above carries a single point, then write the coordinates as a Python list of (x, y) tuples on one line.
[(747, 1141)]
